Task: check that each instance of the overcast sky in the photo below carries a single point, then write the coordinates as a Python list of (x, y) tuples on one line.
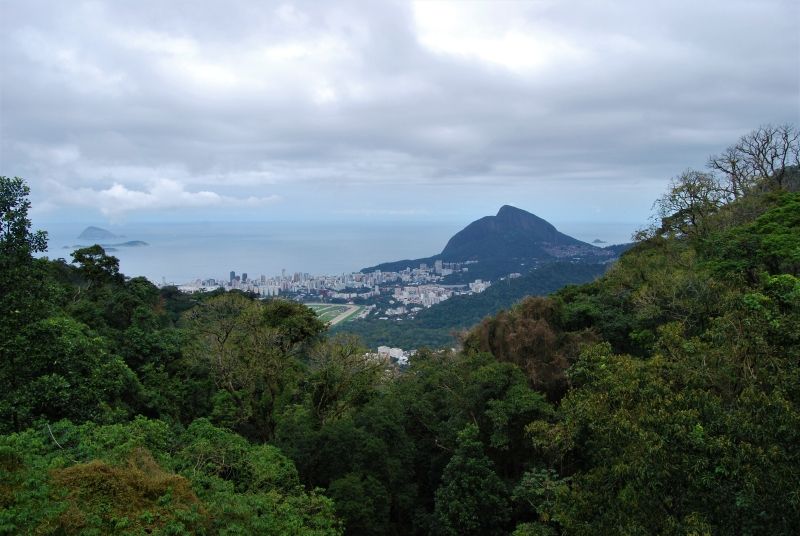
[(368, 110)]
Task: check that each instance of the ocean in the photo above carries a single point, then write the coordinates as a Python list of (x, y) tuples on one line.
[(183, 252)]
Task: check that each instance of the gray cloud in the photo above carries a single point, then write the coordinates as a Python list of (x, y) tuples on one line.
[(451, 107)]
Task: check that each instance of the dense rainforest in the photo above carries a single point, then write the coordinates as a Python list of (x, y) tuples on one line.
[(661, 398)]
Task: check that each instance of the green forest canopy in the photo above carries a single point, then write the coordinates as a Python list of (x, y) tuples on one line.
[(661, 398)]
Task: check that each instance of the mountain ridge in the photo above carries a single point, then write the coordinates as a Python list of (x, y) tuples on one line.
[(513, 240)]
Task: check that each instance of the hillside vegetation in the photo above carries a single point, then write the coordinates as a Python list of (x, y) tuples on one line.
[(442, 324), (660, 398)]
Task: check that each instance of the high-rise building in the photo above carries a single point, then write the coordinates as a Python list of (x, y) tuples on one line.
[(244, 277), (233, 276)]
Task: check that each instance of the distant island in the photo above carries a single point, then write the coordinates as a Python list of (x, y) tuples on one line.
[(598, 241), (96, 233), (101, 237), (109, 247)]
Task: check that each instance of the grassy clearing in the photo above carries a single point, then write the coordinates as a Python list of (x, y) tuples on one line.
[(328, 312)]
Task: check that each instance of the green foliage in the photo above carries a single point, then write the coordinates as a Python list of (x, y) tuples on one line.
[(658, 281), (770, 243), (538, 491), (363, 502), (141, 478), (655, 449), (472, 499), (461, 312), (342, 377), (212, 451), (95, 266), (440, 325), (662, 398), (349, 438), (688, 205), (295, 322), (401, 334), (16, 240), (247, 359), (444, 392), (24, 297), (68, 372), (397, 441)]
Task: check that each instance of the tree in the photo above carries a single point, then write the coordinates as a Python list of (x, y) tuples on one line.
[(692, 197), (766, 153), (471, 499), (23, 297), (362, 501), (20, 295), (530, 336), (295, 322), (538, 490), (97, 267), (343, 377), (16, 240), (67, 372), (230, 336)]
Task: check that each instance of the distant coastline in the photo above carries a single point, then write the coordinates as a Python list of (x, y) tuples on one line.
[(181, 253), (128, 244)]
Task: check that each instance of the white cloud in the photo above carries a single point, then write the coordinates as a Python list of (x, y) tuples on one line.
[(55, 155), (380, 103), (157, 43), (73, 66), (161, 194), (495, 33)]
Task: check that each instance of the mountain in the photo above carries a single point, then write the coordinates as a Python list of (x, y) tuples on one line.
[(512, 233), (513, 240), (96, 233)]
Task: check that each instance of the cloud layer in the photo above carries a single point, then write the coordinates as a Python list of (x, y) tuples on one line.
[(448, 108), (118, 200)]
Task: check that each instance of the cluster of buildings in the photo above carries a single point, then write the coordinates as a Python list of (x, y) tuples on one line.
[(410, 287), (423, 295), (428, 295), (344, 286), (396, 355), (392, 358)]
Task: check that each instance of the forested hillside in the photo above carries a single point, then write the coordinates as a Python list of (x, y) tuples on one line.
[(440, 325), (661, 398)]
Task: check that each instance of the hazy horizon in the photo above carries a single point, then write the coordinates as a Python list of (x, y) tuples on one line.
[(184, 251)]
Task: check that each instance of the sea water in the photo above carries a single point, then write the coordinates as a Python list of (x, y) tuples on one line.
[(183, 252)]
